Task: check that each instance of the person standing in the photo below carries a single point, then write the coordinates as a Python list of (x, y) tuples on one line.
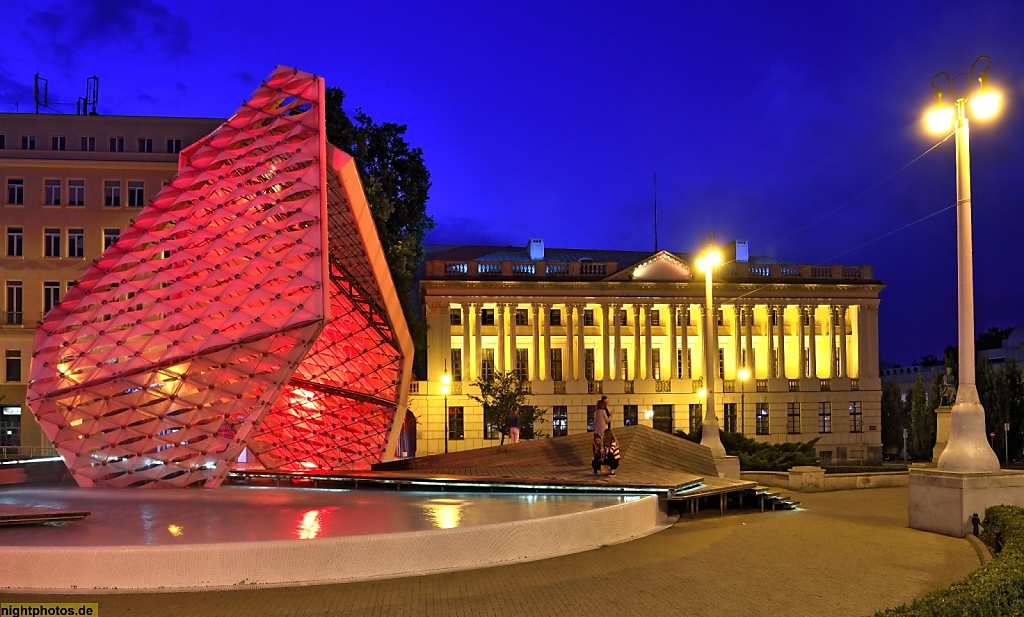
[(513, 425), (602, 418)]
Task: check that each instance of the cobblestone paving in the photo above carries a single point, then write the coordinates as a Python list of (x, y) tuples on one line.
[(844, 553)]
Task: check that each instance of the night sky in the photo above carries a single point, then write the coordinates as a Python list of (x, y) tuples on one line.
[(795, 126)]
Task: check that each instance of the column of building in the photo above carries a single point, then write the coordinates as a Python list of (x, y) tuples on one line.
[(684, 343), (813, 347), (832, 342), (546, 373), (769, 333), (842, 342), (618, 312), (673, 364), (581, 341), (468, 374), (535, 372), (636, 341), (478, 340), (605, 340), (802, 373), (513, 345), (749, 320), (737, 340), (500, 346), (568, 366), (648, 343)]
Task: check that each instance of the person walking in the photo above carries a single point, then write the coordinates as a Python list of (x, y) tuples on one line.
[(513, 425)]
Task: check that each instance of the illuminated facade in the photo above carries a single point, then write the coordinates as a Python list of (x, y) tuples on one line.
[(248, 305), (68, 185), (579, 324)]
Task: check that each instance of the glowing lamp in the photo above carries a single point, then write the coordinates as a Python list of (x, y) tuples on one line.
[(708, 259), (744, 374), (985, 104), (446, 381), (702, 392), (940, 119)]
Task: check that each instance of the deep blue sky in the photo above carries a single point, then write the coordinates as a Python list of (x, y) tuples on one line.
[(788, 124)]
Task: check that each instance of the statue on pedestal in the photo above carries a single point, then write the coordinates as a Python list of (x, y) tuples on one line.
[(947, 389)]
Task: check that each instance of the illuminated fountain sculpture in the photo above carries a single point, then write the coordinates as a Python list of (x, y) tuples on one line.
[(248, 305)]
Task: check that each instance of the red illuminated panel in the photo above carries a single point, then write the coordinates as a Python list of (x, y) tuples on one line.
[(160, 366)]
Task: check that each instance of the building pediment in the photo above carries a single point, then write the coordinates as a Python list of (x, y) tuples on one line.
[(661, 266)]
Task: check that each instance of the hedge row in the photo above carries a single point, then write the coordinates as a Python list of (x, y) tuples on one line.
[(996, 589)]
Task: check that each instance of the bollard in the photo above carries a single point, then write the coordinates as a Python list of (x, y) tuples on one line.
[(975, 521)]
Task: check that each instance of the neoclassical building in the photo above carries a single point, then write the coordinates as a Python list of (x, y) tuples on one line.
[(579, 324)]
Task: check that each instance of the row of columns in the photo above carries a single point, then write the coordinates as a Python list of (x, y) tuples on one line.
[(609, 316)]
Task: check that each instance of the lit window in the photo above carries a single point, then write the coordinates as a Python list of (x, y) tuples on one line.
[(761, 418), (559, 420), (456, 424)]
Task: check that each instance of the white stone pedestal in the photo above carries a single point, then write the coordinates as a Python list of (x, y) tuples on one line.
[(944, 501), (728, 467), (942, 417)]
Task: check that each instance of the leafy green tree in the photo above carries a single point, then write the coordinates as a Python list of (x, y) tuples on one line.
[(500, 395), (396, 182), (922, 423), (894, 419)]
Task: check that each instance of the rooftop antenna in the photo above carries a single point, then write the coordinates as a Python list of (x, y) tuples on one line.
[(35, 92), (655, 212), (92, 96)]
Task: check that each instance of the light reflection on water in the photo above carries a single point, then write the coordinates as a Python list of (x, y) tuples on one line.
[(249, 514)]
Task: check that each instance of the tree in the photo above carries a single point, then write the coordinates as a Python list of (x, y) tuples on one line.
[(499, 396), (922, 423), (396, 182), (894, 419)]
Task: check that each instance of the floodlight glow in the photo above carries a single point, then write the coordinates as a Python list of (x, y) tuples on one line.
[(744, 374), (708, 259)]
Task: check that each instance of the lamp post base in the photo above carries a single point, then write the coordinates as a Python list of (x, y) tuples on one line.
[(968, 449)]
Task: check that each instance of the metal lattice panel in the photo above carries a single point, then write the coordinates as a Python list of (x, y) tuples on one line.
[(221, 304)]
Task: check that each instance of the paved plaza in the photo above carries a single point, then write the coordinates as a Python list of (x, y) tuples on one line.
[(843, 553)]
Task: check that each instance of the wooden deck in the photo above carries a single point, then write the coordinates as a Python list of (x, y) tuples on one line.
[(30, 515), (652, 462)]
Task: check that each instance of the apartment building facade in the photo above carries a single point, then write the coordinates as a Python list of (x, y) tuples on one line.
[(70, 184), (581, 324)]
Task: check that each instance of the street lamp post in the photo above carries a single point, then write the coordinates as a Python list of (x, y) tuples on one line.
[(744, 375), (968, 450), (709, 436), (446, 381)]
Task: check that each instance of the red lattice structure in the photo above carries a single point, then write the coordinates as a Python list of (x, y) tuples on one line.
[(248, 305)]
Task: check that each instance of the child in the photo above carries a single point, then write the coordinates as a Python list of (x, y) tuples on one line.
[(611, 451), (598, 447)]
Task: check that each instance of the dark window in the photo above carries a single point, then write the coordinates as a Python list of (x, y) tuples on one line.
[(76, 192), (559, 420), (145, 144), (856, 418), (630, 415), (76, 243), (136, 194), (51, 192), (15, 241), (825, 417), (591, 410), (13, 361), (588, 317), (14, 304), (58, 142), (522, 317), (588, 364), (88, 144), (456, 365), (112, 193), (51, 242), (487, 365), (487, 317), (696, 416), (729, 417), (556, 365), (455, 317), (522, 364), (761, 418), (555, 317), (117, 144), (456, 424), (28, 142), (51, 295), (3, 141), (793, 418), (655, 317), (15, 191), (110, 237), (624, 364), (663, 418), (623, 317), (491, 429), (173, 146)]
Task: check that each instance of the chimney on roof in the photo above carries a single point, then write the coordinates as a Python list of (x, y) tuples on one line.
[(740, 250), (535, 249)]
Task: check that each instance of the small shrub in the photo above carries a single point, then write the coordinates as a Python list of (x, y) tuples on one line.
[(758, 456)]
